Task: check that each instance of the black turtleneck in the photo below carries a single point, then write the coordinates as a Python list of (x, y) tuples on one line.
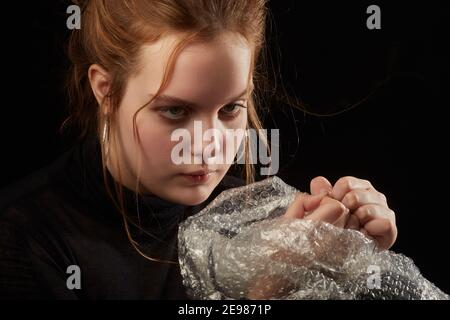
[(62, 216)]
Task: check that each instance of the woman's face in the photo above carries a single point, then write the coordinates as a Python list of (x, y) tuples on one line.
[(211, 78)]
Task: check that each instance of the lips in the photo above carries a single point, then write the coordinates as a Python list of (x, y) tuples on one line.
[(198, 177), (199, 172)]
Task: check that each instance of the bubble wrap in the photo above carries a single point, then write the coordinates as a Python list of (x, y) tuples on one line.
[(239, 247)]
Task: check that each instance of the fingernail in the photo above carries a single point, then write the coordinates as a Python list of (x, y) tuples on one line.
[(324, 192)]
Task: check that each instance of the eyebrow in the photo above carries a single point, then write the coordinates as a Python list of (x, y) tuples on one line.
[(179, 101)]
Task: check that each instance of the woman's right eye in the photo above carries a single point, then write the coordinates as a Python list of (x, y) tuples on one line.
[(173, 113)]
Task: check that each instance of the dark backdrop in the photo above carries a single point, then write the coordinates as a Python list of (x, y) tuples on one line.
[(392, 81)]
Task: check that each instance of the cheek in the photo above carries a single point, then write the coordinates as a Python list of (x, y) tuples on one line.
[(156, 144)]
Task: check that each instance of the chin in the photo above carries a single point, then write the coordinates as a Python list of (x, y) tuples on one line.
[(195, 198), (194, 195)]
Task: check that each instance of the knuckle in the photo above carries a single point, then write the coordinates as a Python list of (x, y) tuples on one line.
[(370, 211), (382, 196), (353, 198), (391, 215), (365, 181), (345, 182)]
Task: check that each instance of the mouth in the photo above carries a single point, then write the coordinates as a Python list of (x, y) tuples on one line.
[(200, 176), (199, 172)]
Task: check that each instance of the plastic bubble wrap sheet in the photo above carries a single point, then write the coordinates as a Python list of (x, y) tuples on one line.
[(239, 247)]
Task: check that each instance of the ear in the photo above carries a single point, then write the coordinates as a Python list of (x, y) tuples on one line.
[(100, 83)]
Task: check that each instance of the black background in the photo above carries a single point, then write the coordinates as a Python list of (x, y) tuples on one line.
[(396, 137)]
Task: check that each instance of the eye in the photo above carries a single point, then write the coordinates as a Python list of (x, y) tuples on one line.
[(231, 109), (173, 113)]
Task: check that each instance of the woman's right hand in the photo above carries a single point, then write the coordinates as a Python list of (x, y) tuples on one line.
[(351, 204)]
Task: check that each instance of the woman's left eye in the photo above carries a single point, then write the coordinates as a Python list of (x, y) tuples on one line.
[(231, 109), (173, 113)]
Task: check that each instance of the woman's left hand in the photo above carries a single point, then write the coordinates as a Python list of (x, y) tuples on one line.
[(369, 211)]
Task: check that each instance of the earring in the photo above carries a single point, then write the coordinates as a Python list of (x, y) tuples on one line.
[(105, 136)]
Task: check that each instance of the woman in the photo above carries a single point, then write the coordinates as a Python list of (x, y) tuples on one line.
[(101, 222)]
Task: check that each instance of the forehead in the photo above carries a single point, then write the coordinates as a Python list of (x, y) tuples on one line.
[(211, 70)]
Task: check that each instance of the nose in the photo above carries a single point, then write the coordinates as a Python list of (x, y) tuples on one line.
[(206, 142)]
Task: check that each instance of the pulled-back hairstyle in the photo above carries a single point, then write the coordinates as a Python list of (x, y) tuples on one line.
[(112, 34)]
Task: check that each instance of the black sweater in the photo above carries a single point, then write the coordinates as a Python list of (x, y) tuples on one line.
[(61, 216)]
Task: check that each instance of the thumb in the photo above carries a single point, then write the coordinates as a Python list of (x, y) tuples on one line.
[(319, 185), (302, 203)]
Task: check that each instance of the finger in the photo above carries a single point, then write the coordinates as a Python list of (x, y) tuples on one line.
[(303, 202), (383, 230), (359, 197), (328, 212), (352, 223), (326, 199), (342, 220), (320, 185), (346, 184), (371, 212)]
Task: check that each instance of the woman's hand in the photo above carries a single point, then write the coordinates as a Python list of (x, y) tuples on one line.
[(318, 207), (351, 203)]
